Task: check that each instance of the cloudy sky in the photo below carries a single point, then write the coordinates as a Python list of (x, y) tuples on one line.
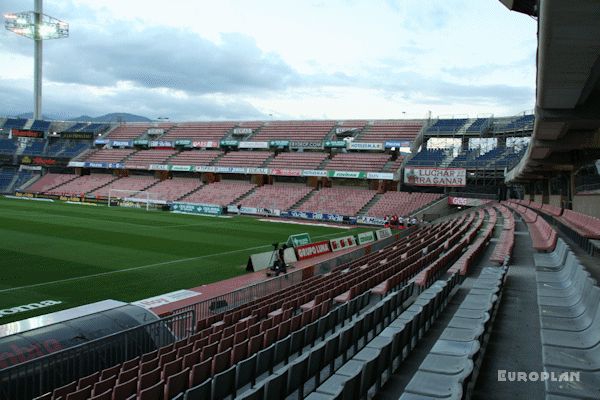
[(279, 59)]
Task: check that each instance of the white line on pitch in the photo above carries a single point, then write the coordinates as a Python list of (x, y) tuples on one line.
[(76, 278)]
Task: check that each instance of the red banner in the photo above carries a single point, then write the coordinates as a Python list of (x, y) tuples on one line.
[(312, 250), (24, 133)]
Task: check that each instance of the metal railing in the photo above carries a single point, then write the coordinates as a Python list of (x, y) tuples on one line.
[(225, 302), (38, 376)]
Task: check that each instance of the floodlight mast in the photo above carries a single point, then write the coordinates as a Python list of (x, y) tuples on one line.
[(37, 26)]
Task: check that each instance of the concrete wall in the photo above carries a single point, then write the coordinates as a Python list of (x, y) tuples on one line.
[(587, 204), (538, 198), (439, 209), (556, 200)]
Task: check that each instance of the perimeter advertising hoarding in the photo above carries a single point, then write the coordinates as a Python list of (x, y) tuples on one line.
[(383, 233), (365, 237), (440, 177), (365, 146), (342, 243), (313, 250), (466, 202), (209, 209), (253, 145)]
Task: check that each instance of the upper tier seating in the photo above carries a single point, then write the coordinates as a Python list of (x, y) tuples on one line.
[(194, 157), (136, 182), (429, 158), (172, 189), (108, 155), (524, 122), (14, 123), (338, 200), (279, 196), (313, 131), (479, 125), (447, 125), (220, 193), (371, 162), (6, 177), (7, 146), (144, 158), (83, 184), (11, 179), (40, 126), (383, 131), (400, 203), (202, 131), (244, 159), (298, 160), (48, 182), (128, 132), (35, 147)]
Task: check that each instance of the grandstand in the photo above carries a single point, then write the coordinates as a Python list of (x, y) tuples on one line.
[(338, 200), (219, 193), (496, 275), (295, 130)]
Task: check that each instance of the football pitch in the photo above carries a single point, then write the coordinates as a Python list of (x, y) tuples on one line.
[(79, 254)]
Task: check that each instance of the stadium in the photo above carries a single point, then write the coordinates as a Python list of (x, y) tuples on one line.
[(291, 257)]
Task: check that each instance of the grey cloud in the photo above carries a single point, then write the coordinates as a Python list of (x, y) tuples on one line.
[(64, 101), (161, 57)]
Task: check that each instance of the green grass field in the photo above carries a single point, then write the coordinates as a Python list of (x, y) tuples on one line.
[(79, 254)]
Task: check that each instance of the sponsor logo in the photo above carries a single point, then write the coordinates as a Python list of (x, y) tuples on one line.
[(387, 176), (448, 177), (77, 135), (366, 146), (253, 145), (342, 243), (242, 131), (306, 145), (366, 237), (121, 143), (28, 307), (155, 131), (18, 354), (158, 167), (161, 143), (233, 143), (286, 172), (205, 144), (347, 174), (23, 133), (534, 376), (383, 233), (279, 143), (335, 143), (313, 172), (166, 298), (101, 141), (396, 144), (467, 202), (312, 250)]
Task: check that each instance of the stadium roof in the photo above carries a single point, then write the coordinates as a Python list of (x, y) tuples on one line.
[(567, 126)]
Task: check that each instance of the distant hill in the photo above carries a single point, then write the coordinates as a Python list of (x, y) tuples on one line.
[(112, 117)]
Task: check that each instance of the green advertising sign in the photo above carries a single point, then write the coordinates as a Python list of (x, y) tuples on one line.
[(184, 143), (365, 237), (300, 239), (233, 143), (140, 142), (207, 209), (347, 174), (335, 143), (279, 143)]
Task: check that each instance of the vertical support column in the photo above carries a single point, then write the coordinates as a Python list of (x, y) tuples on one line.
[(37, 62), (545, 191)]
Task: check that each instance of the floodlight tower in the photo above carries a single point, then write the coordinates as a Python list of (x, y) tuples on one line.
[(39, 27)]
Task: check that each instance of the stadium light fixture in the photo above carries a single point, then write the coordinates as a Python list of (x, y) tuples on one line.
[(37, 26)]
